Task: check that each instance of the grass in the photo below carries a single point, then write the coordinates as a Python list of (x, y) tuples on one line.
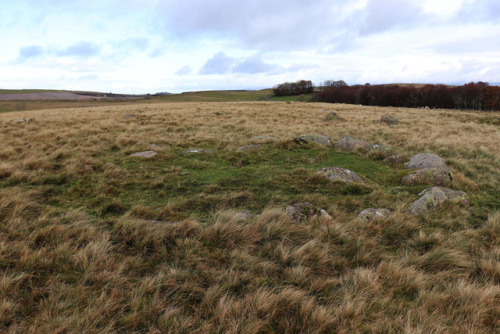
[(157, 245)]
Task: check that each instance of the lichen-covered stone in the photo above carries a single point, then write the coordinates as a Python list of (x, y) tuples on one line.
[(425, 160), (145, 154), (302, 211), (314, 138), (437, 176), (389, 120), (341, 174), (348, 143), (431, 198), (378, 150), (373, 214)]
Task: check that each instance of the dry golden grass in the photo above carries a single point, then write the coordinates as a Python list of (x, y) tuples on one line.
[(88, 250)]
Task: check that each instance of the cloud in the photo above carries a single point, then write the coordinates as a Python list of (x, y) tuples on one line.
[(80, 49), (184, 70), (31, 51), (218, 64), (382, 15), (253, 65)]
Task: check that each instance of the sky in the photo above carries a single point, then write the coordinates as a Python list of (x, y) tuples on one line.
[(149, 46)]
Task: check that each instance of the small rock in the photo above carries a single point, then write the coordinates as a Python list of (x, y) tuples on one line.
[(25, 120), (247, 148), (379, 150), (348, 143), (154, 146), (438, 176), (372, 214), (264, 139), (128, 115), (389, 120), (426, 107), (245, 215), (323, 214), (432, 198), (314, 138), (341, 174), (196, 150), (331, 116), (87, 168), (394, 158), (302, 211), (425, 160), (145, 154)]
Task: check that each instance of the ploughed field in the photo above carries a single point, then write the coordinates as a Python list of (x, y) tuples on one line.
[(198, 234)]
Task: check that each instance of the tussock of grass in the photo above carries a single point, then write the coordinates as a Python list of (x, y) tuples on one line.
[(160, 244)]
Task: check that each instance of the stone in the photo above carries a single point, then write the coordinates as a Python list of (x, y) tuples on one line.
[(431, 198), (128, 116), (304, 210), (426, 107), (373, 214), (348, 143), (87, 168), (245, 215), (389, 120), (394, 158), (264, 139), (341, 174), (331, 116), (25, 120), (196, 150), (438, 176), (313, 138), (379, 150), (145, 154), (247, 148), (425, 160)]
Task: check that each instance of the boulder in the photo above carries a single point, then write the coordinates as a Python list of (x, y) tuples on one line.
[(331, 116), (348, 143), (247, 148), (341, 175), (145, 154), (425, 160), (438, 176), (394, 158), (264, 139), (313, 138), (372, 214), (431, 198), (304, 210), (389, 120), (196, 150)]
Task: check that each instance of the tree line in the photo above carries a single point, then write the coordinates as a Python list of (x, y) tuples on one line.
[(473, 95)]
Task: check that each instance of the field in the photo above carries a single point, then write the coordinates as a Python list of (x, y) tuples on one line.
[(95, 240)]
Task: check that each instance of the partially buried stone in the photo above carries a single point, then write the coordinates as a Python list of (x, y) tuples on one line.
[(264, 139), (341, 174), (373, 214), (438, 176), (304, 210), (196, 150), (394, 158), (247, 148), (431, 198), (145, 154), (331, 116), (389, 120), (425, 160), (313, 138), (348, 143)]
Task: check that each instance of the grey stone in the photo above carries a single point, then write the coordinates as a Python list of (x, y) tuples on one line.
[(145, 154), (245, 215), (379, 150), (341, 174), (304, 210), (247, 148), (196, 150), (372, 214), (425, 160), (394, 158), (431, 198), (25, 120), (389, 120), (438, 176), (314, 138), (348, 143)]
